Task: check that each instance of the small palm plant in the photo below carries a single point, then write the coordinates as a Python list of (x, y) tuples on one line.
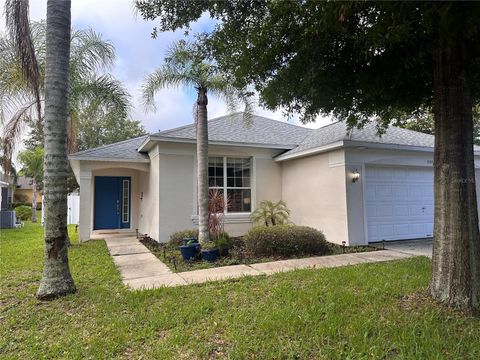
[(271, 213)]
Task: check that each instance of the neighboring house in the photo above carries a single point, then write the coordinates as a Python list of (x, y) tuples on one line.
[(5, 195), (23, 191), (7, 217), (353, 185)]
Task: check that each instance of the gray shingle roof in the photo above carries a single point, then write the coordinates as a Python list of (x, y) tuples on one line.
[(120, 151), (338, 132), (264, 132), (233, 128)]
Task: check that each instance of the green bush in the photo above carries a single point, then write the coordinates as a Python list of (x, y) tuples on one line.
[(23, 212), (15, 205), (285, 240)]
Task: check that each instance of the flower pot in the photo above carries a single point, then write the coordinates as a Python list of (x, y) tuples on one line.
[(189, 252), (210, 255)]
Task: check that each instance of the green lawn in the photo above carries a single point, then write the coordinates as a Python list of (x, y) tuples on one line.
[(368, 311)]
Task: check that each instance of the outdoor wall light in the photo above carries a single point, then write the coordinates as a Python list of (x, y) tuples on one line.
[(355, 176), (141, 195)]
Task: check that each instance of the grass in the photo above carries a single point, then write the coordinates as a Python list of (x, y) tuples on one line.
[(171, 256), (370, 311)]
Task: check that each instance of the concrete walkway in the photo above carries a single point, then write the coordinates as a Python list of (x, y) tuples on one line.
[(140, 269), (417, 247)]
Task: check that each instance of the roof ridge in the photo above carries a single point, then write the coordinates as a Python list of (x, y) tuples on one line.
[(410, 130), (166, 132), (83, 152), (284, 122)]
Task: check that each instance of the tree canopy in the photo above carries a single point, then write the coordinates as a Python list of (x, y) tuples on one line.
[(32, 164), (355, 60)]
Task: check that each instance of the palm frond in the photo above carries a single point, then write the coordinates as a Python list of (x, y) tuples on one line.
[(271, 213), (18, 25), (12, 130), (90, 53), (233, 97), (166, 76), (103, 91)]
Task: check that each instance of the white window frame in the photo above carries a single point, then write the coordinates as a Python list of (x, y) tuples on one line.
[(225, 188), (127, 202)]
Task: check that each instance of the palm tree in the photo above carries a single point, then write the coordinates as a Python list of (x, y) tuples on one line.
[(91, 89), (32, 162), (271, 213), (57, 279), (186, 65)]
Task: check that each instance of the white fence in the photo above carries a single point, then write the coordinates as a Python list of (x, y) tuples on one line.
[(73, 204)]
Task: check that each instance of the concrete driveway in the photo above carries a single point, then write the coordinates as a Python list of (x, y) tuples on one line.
[(418, 247)]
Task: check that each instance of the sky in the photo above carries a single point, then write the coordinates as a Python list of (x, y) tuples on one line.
[(138, 54)]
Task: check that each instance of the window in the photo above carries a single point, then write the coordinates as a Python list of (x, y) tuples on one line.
[(125, 201), (232, 176)]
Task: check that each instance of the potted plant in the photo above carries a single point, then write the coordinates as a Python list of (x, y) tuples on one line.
[(189, 249), (210, 251), (216, 210), (223, 244)]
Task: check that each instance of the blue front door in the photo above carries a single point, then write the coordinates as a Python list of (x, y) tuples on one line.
[(112, 202)]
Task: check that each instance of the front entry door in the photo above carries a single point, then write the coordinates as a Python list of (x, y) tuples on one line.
[(112, 202)]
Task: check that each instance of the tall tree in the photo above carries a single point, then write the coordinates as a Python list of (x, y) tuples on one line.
[(364, 60), (92, 90), (423, 121), (97, 128), (57, 279), (32, 167), (185, 65)]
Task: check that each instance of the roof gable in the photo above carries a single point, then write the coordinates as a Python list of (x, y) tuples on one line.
[(120, 151), (338, 132)]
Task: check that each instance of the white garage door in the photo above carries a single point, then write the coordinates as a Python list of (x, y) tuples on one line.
[(399, 203)]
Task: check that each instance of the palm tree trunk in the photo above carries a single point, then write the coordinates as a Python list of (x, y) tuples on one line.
[(202, 165), (34, 201), (456, 248), (57, 280)]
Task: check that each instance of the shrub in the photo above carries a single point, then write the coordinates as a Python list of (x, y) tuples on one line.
[(176, 239), (14, 205), (285, 240), (23, 212)]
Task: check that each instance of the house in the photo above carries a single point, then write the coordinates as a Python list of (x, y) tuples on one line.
[(5, 194), (23, 191), (353, 185), (7, 217)]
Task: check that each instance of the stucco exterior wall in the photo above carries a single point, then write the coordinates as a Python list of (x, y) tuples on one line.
[(177, 186), (149, 193), (314, 189), (176, 194)]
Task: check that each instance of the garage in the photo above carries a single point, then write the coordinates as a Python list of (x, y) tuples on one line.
[(399, 202)]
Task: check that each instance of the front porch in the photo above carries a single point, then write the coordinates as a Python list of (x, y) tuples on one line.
[(110, 198)]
